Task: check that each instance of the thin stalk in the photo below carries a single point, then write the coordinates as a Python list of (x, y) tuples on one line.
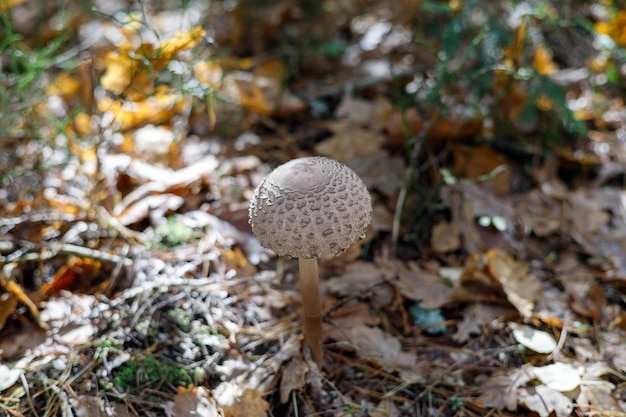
[(312, 307)]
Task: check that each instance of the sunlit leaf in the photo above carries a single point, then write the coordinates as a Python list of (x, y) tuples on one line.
[(191, 401), (78, 272), (20, 295), (8, 303), (559, 376), (543, 61), (534, 339), (180, 41), (156, 109)]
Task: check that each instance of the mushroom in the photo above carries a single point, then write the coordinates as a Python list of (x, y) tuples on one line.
[(309, 208)]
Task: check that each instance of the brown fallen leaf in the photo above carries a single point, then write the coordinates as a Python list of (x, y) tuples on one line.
[(482, 161), (191, 401), (378, 346), (250, 404), (544, 401), (500, 391), (479, 315), (293, 378), (350, 141), (521, 288), (596, 391), (446, 237), (427, 287), (77, 273)]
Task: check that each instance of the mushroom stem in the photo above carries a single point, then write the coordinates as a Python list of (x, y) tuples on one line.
[(312, 306)]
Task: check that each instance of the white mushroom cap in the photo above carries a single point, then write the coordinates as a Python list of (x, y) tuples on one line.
[(309, 208)]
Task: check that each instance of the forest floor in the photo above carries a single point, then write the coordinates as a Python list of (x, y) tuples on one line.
[(492, 139)]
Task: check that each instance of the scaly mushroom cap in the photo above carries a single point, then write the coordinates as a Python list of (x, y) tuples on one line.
[(309, 208)]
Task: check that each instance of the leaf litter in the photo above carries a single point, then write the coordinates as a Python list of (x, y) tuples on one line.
[(144, 293)]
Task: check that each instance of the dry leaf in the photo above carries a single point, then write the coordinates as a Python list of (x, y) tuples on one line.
[(261, 91), (484, 164), (427, 287), (595, 390), (155, 109), (358, 276), (500, 391), (476, 316), (365, 113), (537, 340), (191, 401), (92, 406), (8, 303), (558, 376), (544, 401), (249, 404), (77, 273), (179, 42), (522, 288), (350, 141), (445, 237), (542, 61), (293, 378), (20, 295), (372, 343)]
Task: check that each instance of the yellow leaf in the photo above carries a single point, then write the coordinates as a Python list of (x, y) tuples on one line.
[(157, 109), (65, 86), (544, 102), (82, 123), (180, 41), (603, 28), (272, 68), (20, 295), (543, 61), (7, 4), (514, 51), (252, 97), (119, 70), (209, 74), (617, 28), (8, 304), (250, 404)]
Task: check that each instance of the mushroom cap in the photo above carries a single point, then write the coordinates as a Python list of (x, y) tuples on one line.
[(310, 207)]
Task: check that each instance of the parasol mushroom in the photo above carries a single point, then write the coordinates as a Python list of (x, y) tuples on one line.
[(309, 208)]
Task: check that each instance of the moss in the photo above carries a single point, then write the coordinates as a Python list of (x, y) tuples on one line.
[(150, 373)]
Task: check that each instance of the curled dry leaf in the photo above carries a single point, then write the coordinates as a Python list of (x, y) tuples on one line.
[(522, 288)]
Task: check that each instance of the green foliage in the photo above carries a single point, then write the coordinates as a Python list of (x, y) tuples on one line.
[(472, 44), (456, 403), (24, 69), (181, 317), (150, 373), (173, 233)]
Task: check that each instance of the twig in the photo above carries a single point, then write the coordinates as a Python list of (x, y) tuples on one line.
[(69, 249), (30, 398)]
